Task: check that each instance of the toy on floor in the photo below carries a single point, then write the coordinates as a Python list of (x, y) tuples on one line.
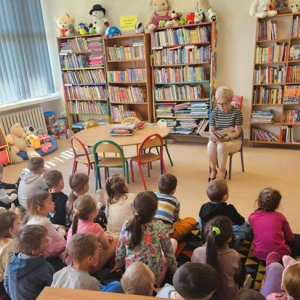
[(204, 7), (261, 9), (112, 31), (83, 29), (62, 23), (100, 23), (139, 28)]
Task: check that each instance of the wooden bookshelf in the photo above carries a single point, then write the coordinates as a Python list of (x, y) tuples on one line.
[(183, 70), (129, 77), (278, 94), (83, 75)]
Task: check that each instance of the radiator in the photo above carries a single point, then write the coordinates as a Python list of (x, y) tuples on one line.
[(32, 116)]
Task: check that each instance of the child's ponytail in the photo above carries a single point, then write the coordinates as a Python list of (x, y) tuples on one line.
[(145, 206), (75, 223), (218, 232), (116, 187), (77, 182)]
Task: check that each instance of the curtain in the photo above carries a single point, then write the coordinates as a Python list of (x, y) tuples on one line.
[(25, 70)]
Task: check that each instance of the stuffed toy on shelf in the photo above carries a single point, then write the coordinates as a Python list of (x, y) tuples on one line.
[(139, 28), (261, 9), (203, 7), (112, 31), (282, 6), (83, 29), (294, 6), (71, 30), (62, 23), (100, 23)]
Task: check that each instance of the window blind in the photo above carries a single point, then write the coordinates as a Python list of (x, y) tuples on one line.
[(25, 70)]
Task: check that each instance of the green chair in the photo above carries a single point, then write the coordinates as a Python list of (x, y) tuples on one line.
[(109, 154)]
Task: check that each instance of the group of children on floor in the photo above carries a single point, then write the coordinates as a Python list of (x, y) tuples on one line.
[(141, 237)]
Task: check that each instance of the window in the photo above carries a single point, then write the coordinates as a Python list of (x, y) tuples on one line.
[(25, 70)]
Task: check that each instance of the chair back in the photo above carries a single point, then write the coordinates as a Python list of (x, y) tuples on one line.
[(108, 147), (238, 101), (78, 147), (91, 124), (153, 140), (126, 120)]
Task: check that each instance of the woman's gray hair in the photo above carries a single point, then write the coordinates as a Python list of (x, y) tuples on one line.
[(224, 92)]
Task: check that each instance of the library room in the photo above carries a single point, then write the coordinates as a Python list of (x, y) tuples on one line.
[(149, 149)]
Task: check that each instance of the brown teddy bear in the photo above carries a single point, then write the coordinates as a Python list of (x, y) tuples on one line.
[(17, 143)]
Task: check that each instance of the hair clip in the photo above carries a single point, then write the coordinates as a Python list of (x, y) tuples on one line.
[(136, 214), (216, 230)]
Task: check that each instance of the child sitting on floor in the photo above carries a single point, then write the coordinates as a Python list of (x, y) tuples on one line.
[(6, 199), (83, 250), (39, 206), (217, 192), (145, 239), (192, 281), (32, 182), (55, 182), (216, 252), (138, 280), (28, 271), (83, 221), (271, 229), (119, 204), (169, 207), (250, 295)]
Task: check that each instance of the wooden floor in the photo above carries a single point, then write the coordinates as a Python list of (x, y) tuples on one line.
[(278, 168)]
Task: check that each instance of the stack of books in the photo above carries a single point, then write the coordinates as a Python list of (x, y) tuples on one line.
[(94, 44), (164, 110), (182, 110), (266, 117), (292, 94), (127, 75), (127, 94), (96, 60), (199, 109), (86, 92), (84, 77), (185, 126)]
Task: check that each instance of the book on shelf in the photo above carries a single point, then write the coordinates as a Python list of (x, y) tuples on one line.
[(292, 116), (263, 95), (87, 108), (294, 52), (127, 75), (135, 51), (276, 53), (181, 36), (119, 113), (75, 61), (127, 94), (292, 94), (85, 92), (80, 44), (84, 77), (296, 28), (262, 117), (269, 75), (293, 74), (266, 30), (258, 134), (182, 55), (219, 134), (202, 126)]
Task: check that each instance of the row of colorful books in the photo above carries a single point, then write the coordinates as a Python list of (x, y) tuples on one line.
[(264, 95), (84, 77), (127, 75), (295, 52), (267, 30), (75, 61), (186, 55), (183, 74), (127, 94), (269, 75), (276, 53), (293, 74), (258, 134), (136, 51), (181, 36), (96, 60), (262, 117), (292, 116), (287, 135), (292, 94), (119, 113), (86, 92), (174, 92), (87, 108), (81, 44), (296, 28)]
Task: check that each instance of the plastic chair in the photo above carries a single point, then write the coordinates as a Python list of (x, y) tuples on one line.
[(126, 120), (81, 155), (117, 160), (91, 124), (238, 101), (154, 140)]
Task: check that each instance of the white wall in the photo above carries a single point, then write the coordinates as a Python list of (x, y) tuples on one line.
[(236, 36)]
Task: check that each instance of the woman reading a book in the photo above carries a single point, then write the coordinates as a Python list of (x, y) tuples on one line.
[(222, 117)]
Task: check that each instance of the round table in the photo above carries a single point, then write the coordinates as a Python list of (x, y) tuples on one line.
[(91, 136)]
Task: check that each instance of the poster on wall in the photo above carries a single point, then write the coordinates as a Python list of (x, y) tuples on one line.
[(128, 22)]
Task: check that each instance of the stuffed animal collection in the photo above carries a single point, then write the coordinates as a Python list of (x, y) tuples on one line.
[(261, 9), (203, 7), (63, 23)]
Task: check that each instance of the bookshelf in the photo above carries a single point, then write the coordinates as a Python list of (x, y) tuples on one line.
[(129, 77), (183, 70), (84, 80), (275, 109)]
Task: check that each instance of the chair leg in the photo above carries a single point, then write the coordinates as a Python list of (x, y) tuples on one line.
[(242, 161), (127, 171), (148, 167), (108, 174), (75, 163), (142, 175), (131, 169), (98, 178), (89, 169), (230, 165), (169, 156), (163, 167)]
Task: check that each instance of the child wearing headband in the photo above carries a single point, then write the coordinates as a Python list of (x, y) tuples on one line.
[(216, 252)]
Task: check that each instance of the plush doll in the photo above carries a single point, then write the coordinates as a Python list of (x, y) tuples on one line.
[(71, 30), (83, 29), (100, 23), (112, 31), (62, 23), (175, 17), (198, 17), (282, 6), (190, 18), (261, 9), (91, 29), (204, 7), (182, 21), (17, 143), (139, 28), (161, 24), (294, 6), (162, 12)]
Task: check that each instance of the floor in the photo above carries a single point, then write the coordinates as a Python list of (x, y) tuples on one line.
[(264, 166)]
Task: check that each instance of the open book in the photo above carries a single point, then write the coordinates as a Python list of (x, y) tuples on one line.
[(220, 134)]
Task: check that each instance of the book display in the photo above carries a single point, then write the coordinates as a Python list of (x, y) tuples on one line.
[(129, 77), (276, 81), (84, 80), (183, 64)]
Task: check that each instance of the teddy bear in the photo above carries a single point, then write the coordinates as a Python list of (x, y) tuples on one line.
[(198, 17), (204, 7), (294, 6), (282, 6), (261, 9), (100, 23), (162, 12), (17, 143), (62, 23)]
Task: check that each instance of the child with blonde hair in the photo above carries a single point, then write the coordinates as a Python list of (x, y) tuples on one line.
[(39, 206), (86, 210), (145, 239)]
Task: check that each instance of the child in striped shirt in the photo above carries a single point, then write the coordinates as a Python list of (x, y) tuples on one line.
[(169, 207)]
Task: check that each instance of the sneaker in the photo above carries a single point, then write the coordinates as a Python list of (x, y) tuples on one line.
[(273, 257), (247, 282)]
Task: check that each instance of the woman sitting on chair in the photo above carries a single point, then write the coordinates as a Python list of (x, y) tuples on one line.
[(223, 116)]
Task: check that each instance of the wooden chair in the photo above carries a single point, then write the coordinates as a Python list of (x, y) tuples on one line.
[(81, 155), (91, 124), (143, 157), (109, 154)]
